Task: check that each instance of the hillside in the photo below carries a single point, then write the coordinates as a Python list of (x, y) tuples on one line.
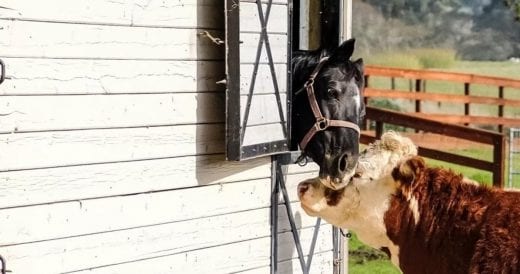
[(476, 30)]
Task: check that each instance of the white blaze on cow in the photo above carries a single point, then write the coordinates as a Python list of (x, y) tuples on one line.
[(429, 220)]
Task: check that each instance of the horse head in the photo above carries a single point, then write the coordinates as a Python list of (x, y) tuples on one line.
[(327, 110)]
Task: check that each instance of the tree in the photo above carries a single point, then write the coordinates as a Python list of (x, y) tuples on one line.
[(514, 5)]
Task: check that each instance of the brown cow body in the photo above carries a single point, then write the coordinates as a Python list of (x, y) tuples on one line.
[(429, 220)]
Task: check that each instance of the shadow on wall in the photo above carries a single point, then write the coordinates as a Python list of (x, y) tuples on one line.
[(287, 248), (210, 97)]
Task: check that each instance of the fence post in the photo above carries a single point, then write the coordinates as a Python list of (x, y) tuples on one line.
[(500, 107), (466, 105), (499, 156), (365, 124), (418, 89), (417, 102), (379, 129)]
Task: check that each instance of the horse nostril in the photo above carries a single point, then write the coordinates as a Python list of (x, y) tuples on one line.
[(343, 163)]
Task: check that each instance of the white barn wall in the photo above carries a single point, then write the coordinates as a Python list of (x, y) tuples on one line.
[(112, 141)]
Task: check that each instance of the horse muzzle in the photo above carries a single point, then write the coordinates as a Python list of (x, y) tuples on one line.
[(336, 172)]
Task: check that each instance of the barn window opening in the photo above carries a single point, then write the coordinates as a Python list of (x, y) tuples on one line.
[(260, 39)]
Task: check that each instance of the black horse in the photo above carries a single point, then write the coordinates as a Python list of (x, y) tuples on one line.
[(327, 109)]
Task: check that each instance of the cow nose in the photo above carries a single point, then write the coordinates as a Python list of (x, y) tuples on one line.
[(303, 187)]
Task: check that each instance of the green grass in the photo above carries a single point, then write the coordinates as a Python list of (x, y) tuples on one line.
[(500, 69), (415, 58), (435, 58), (367, 260), (484, 153)]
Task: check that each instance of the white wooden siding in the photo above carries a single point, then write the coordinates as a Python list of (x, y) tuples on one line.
[(112, 141), (30, 76)]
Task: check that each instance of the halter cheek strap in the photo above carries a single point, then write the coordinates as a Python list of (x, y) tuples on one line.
[(322, 123)]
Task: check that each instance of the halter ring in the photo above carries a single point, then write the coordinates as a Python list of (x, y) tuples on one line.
[(322, 124), (309, 82)]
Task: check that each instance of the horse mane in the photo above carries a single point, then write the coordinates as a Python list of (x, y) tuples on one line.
[(303, 63)]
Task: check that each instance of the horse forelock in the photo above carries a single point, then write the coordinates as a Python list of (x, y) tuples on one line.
[(303, 62)]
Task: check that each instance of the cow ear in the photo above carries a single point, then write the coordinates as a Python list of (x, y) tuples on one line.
[(344, 51), (407, 171)]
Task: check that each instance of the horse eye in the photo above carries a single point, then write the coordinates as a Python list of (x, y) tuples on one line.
[(333, 92)]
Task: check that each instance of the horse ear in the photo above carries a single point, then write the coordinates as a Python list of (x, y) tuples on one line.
[(359, 73), (359, 69), (344, 51)]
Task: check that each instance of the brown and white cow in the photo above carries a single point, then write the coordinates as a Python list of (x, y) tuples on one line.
[(427, 219)]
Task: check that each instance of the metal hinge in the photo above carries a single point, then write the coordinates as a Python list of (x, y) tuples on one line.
[(3, 267), (2, 73)]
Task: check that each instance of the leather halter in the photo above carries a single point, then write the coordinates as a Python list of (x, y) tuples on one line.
[(322, 123)]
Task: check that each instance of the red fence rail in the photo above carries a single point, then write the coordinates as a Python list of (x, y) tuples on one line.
[(419, 94)]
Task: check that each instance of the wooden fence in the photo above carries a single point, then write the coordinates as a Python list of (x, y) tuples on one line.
[(497, 140), (418, 80), (448, 124)]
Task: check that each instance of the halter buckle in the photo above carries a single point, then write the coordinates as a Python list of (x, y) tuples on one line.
[(309, 82), (321, 124)]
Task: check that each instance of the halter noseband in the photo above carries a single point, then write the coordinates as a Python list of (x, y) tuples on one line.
[(322, 123)]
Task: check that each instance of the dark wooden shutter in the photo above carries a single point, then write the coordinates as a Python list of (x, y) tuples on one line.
[(258, 80)]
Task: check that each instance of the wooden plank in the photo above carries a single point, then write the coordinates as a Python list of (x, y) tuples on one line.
[(321, 264), (154, 241), (43, 113), (263, 133), (250, 21), (249, 47), (67, 148), (432, 96), (221, 259), (63, 76), (473, 119), (185, 13), (264, 79), (47, 185), (438, 75), (82, 217), (263, 109), (445, 128), (456, 159), (39, 186), (60, 40)]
